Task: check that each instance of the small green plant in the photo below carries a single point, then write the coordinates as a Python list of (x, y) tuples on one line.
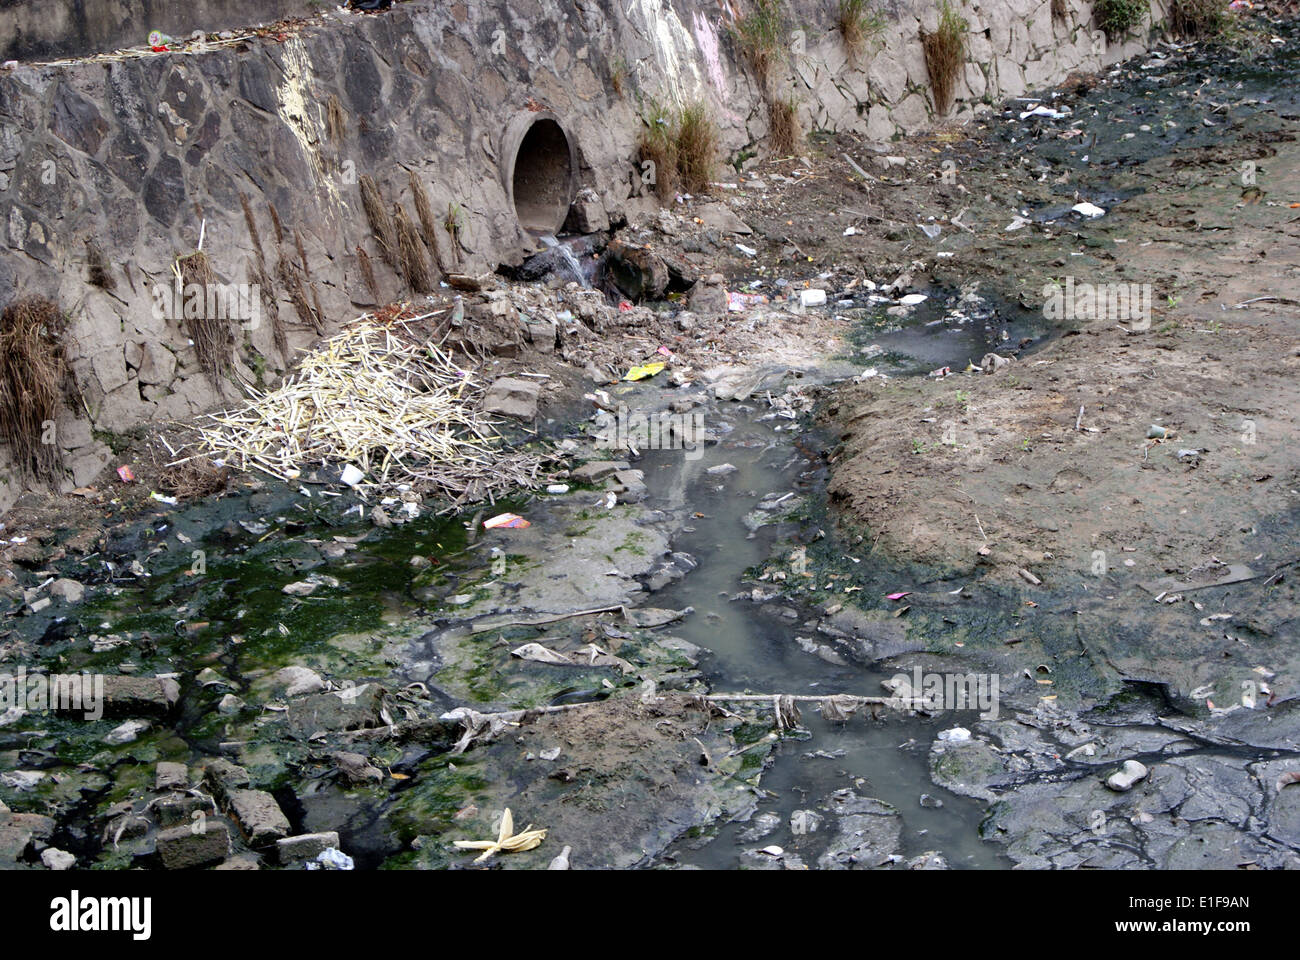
[(1118, 17), (963, 398), (859, 23), (918, 446), (760, 34), (945, 55), (618, 76)]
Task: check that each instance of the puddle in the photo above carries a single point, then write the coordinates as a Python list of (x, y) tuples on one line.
[(945, 330)]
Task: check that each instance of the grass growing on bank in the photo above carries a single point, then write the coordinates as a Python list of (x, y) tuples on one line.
[(859, 23), (682, 146), (760, 34), (1118, 17), (1197, 19), (783, 126), (32, 372), (945, 54)]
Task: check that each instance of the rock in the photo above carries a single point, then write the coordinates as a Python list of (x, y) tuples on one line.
[(297, 681), (1128, 775), (170, 810), (868, 836), (229, 705), (171, 776), (149, 696), (17, 833), (127, 732), (708, 298), (930, 860), (245, 861), (305, 846), (720, 217), (69, 590), (512, 397), (640, 273), (302, 588), (587, 214), (258, 815), (56, 859), (180, 848), (348, 709), (224, 777), (357, 768), (598, 470), (722, 469)]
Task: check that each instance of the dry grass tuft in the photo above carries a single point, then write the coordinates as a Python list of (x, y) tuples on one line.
[(32, 371), (428, 226), (858, 23), (945, 55), (252, 229), (783, 126), (195, 479), (381, 224), (1197, 19), (410, 251), (214, 341), (336, 123), (697, 146), (100, 275), (291, 278), (368, 274), (658, 147), (761, 36), (1060, 13), (275, 221)]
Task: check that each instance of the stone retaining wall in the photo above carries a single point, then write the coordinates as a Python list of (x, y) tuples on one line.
[(142, 154)]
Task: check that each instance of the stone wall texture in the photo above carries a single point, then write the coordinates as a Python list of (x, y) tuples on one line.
[(42, 30), (142, 154)]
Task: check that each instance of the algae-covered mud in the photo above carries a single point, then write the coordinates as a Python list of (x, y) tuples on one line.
[(948, 521)]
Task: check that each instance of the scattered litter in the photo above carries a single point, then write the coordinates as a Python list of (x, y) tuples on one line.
[(330, 859), (912, 299), (1088, 209), (1131, 773), (170, 501), (557, 488), (1042, 111), (352, 475), (643, 371), (124, 472), (812, 298), (955, 735), (898, 596), (507, 840), (931, 230), (509, 521), (747, 251)]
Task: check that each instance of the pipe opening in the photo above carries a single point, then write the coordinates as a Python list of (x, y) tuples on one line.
[(542, 184)]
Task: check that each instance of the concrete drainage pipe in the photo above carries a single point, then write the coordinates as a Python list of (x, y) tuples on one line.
[(539, 171)]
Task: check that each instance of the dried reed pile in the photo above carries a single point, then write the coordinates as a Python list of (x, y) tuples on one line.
[(379, 398)]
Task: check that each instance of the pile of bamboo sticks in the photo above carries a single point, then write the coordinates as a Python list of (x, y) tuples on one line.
[(380, 398)]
